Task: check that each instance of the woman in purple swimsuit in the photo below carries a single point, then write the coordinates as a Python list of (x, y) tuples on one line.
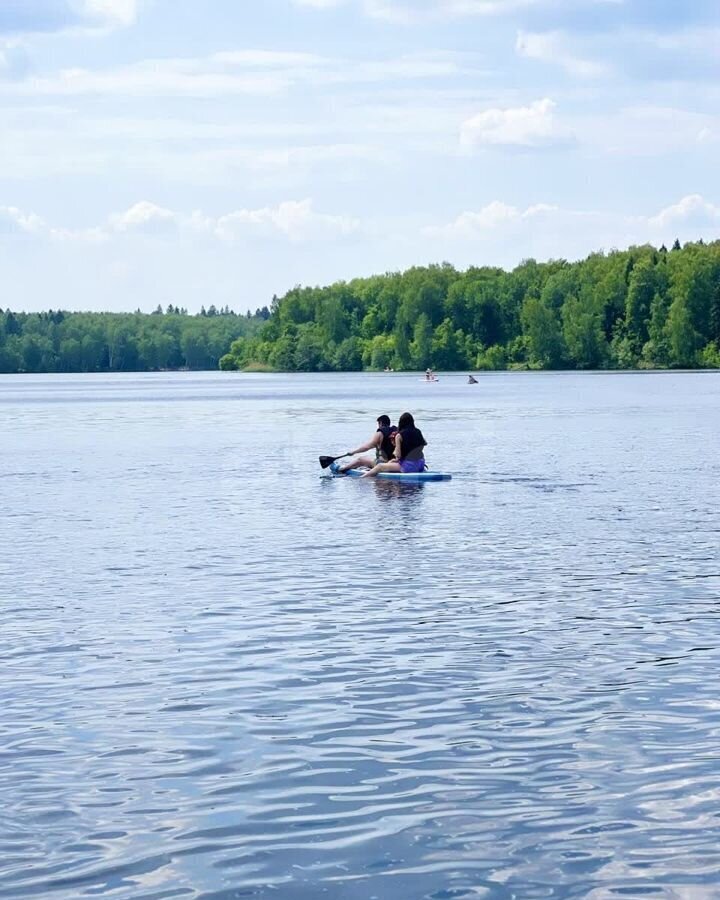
[(409, 444)]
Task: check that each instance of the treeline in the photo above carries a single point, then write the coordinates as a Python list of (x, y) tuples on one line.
[(643, 307), (120, 342)]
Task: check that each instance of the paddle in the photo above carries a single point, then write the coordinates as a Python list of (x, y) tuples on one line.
[(326, 460)]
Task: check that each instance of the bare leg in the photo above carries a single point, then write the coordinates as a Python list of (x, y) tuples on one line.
[(362, 462), (392, 466)]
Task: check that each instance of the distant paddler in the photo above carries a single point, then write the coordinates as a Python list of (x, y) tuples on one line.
[(472, 380)]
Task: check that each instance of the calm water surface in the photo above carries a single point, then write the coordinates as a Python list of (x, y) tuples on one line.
[(224, 675)]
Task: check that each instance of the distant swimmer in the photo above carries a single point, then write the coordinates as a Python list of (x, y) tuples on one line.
[(472, 380)]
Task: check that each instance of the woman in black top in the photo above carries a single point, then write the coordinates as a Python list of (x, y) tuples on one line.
[(409, 445)]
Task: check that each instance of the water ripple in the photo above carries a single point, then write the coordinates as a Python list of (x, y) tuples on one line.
[(227, 677)]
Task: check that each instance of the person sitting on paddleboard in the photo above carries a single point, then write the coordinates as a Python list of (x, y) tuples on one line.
[(383, 442), (409, 447)]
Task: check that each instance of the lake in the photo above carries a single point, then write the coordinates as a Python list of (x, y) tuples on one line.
[(226, 675)]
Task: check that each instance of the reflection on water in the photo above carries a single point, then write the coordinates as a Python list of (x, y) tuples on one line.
[(410, 494), (226, 675)]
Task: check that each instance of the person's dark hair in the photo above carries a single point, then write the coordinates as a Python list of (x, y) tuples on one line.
[(383, 420), (406, 421)]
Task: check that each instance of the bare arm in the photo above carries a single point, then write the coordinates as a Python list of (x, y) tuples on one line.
[(398, 447), (373, 442)]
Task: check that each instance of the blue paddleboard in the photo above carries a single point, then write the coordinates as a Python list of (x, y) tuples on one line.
[(395, 476)]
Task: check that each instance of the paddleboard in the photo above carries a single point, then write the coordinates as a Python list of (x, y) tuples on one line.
[(429, 380), (394, 476)]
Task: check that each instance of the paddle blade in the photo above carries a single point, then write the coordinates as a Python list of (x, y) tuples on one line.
[(326, 460)]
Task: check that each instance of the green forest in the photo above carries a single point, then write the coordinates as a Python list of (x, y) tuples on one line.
[(637, 308), (120, 342)]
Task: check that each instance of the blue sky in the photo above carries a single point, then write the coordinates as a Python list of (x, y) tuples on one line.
[(222, 151)]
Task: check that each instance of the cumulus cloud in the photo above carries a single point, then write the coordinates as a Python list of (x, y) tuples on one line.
[(145, 217), (18, 222), (15, 221), (494, 215), (524, 126), (543, 229), (546, 230), (693, 211), (295, 219)]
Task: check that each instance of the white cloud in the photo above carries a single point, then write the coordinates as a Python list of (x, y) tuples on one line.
[(693, 211), (319, 4), (703, 40), (15, 221), (267, 247), (293, 220), (502, 234), (151, 78), (524, 126), (296, 219), (417, 11), (405, 67), (647, 55), (254, 72), (110, 12), (146, 217), (52, 141), (689, 55), (267, 58), (546, 231), (412, 12), (489, 218), (305, 156), (553, 47)]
